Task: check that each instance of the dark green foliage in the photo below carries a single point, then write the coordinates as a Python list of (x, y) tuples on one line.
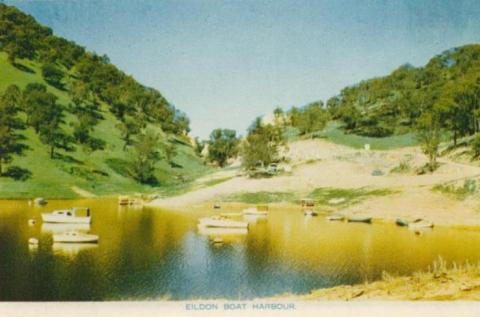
[(476, 146), (146, 156), (10, 124), (310, 118), (53, 75), (22, 37), (392, 104), (262, 144), (223, 144)]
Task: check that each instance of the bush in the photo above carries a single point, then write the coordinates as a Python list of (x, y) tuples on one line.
[(476, 146)]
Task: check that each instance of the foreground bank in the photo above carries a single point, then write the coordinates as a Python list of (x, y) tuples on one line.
[(440, 283)]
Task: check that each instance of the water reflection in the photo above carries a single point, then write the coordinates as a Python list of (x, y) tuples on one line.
[(72, 249), (150, 254)]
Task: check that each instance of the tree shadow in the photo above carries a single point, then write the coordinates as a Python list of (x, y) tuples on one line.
[(67, 158), (18, 173), (175, 165), (23, 68)]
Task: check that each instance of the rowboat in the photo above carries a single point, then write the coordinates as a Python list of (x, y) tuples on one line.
[(335, 217), (75, 237), (254, 211), (364, 219), (401, 222), (222, 222), (420, 224), (67, 216)]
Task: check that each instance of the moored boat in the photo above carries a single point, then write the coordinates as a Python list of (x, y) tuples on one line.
[(364, 219), (420, 224), (222, 222), (75, 237), (254, 211), (335, 217), (401, 222), (67, 216)]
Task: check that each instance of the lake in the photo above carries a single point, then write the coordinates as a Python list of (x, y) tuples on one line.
[(149, 254)]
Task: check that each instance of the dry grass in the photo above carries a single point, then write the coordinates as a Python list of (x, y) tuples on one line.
[(440, 282)]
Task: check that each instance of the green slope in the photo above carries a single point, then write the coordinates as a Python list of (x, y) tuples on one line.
[(100, 172)]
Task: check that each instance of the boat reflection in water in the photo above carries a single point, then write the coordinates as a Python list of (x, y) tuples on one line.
[(254, 218), (223, 235), (64, 227), (72, 249)]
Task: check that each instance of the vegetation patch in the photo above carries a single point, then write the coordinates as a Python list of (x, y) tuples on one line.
[(217, 181), (335, 133), (468, 188), (344, 197), (262, 197)]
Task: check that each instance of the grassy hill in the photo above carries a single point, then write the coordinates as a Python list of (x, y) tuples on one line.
[(102, 172)]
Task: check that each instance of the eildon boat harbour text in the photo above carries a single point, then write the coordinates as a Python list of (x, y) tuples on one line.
[(228, 306)]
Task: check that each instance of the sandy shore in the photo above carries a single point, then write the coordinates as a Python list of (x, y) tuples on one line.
[(317, 163)]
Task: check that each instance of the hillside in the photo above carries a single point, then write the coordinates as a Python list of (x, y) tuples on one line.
[(81, 169), (448, 87)]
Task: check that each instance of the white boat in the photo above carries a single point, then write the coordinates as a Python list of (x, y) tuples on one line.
[(420, 224), (335, 217), (75, 237), (67, 216), (222, 222), (254, 211)]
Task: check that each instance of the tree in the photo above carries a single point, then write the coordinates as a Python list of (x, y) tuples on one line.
[(10, 140), (129, 127), (428, 130), (261, 146), (199, 146), (223, 144), (145, 157), (53, 75), (46, 116), (86, 108)]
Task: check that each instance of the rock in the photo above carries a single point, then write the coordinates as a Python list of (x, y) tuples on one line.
[(40, 201)]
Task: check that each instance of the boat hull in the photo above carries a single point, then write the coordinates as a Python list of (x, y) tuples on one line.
[(363, 220), (52, 218), (84, 238)]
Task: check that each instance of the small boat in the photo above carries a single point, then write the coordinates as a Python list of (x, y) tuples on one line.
[(310, 212), (231, 214), (222, 222), (364, 219), (67, 216), (307, 202), (254, 211), (40, 201), (33, 241), (75, 237), (420, 224), (401, 222), (31, 222), (216, 206), (335, 217), (123, 200)]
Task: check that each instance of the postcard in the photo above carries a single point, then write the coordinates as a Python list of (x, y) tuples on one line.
[(256, 158)]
